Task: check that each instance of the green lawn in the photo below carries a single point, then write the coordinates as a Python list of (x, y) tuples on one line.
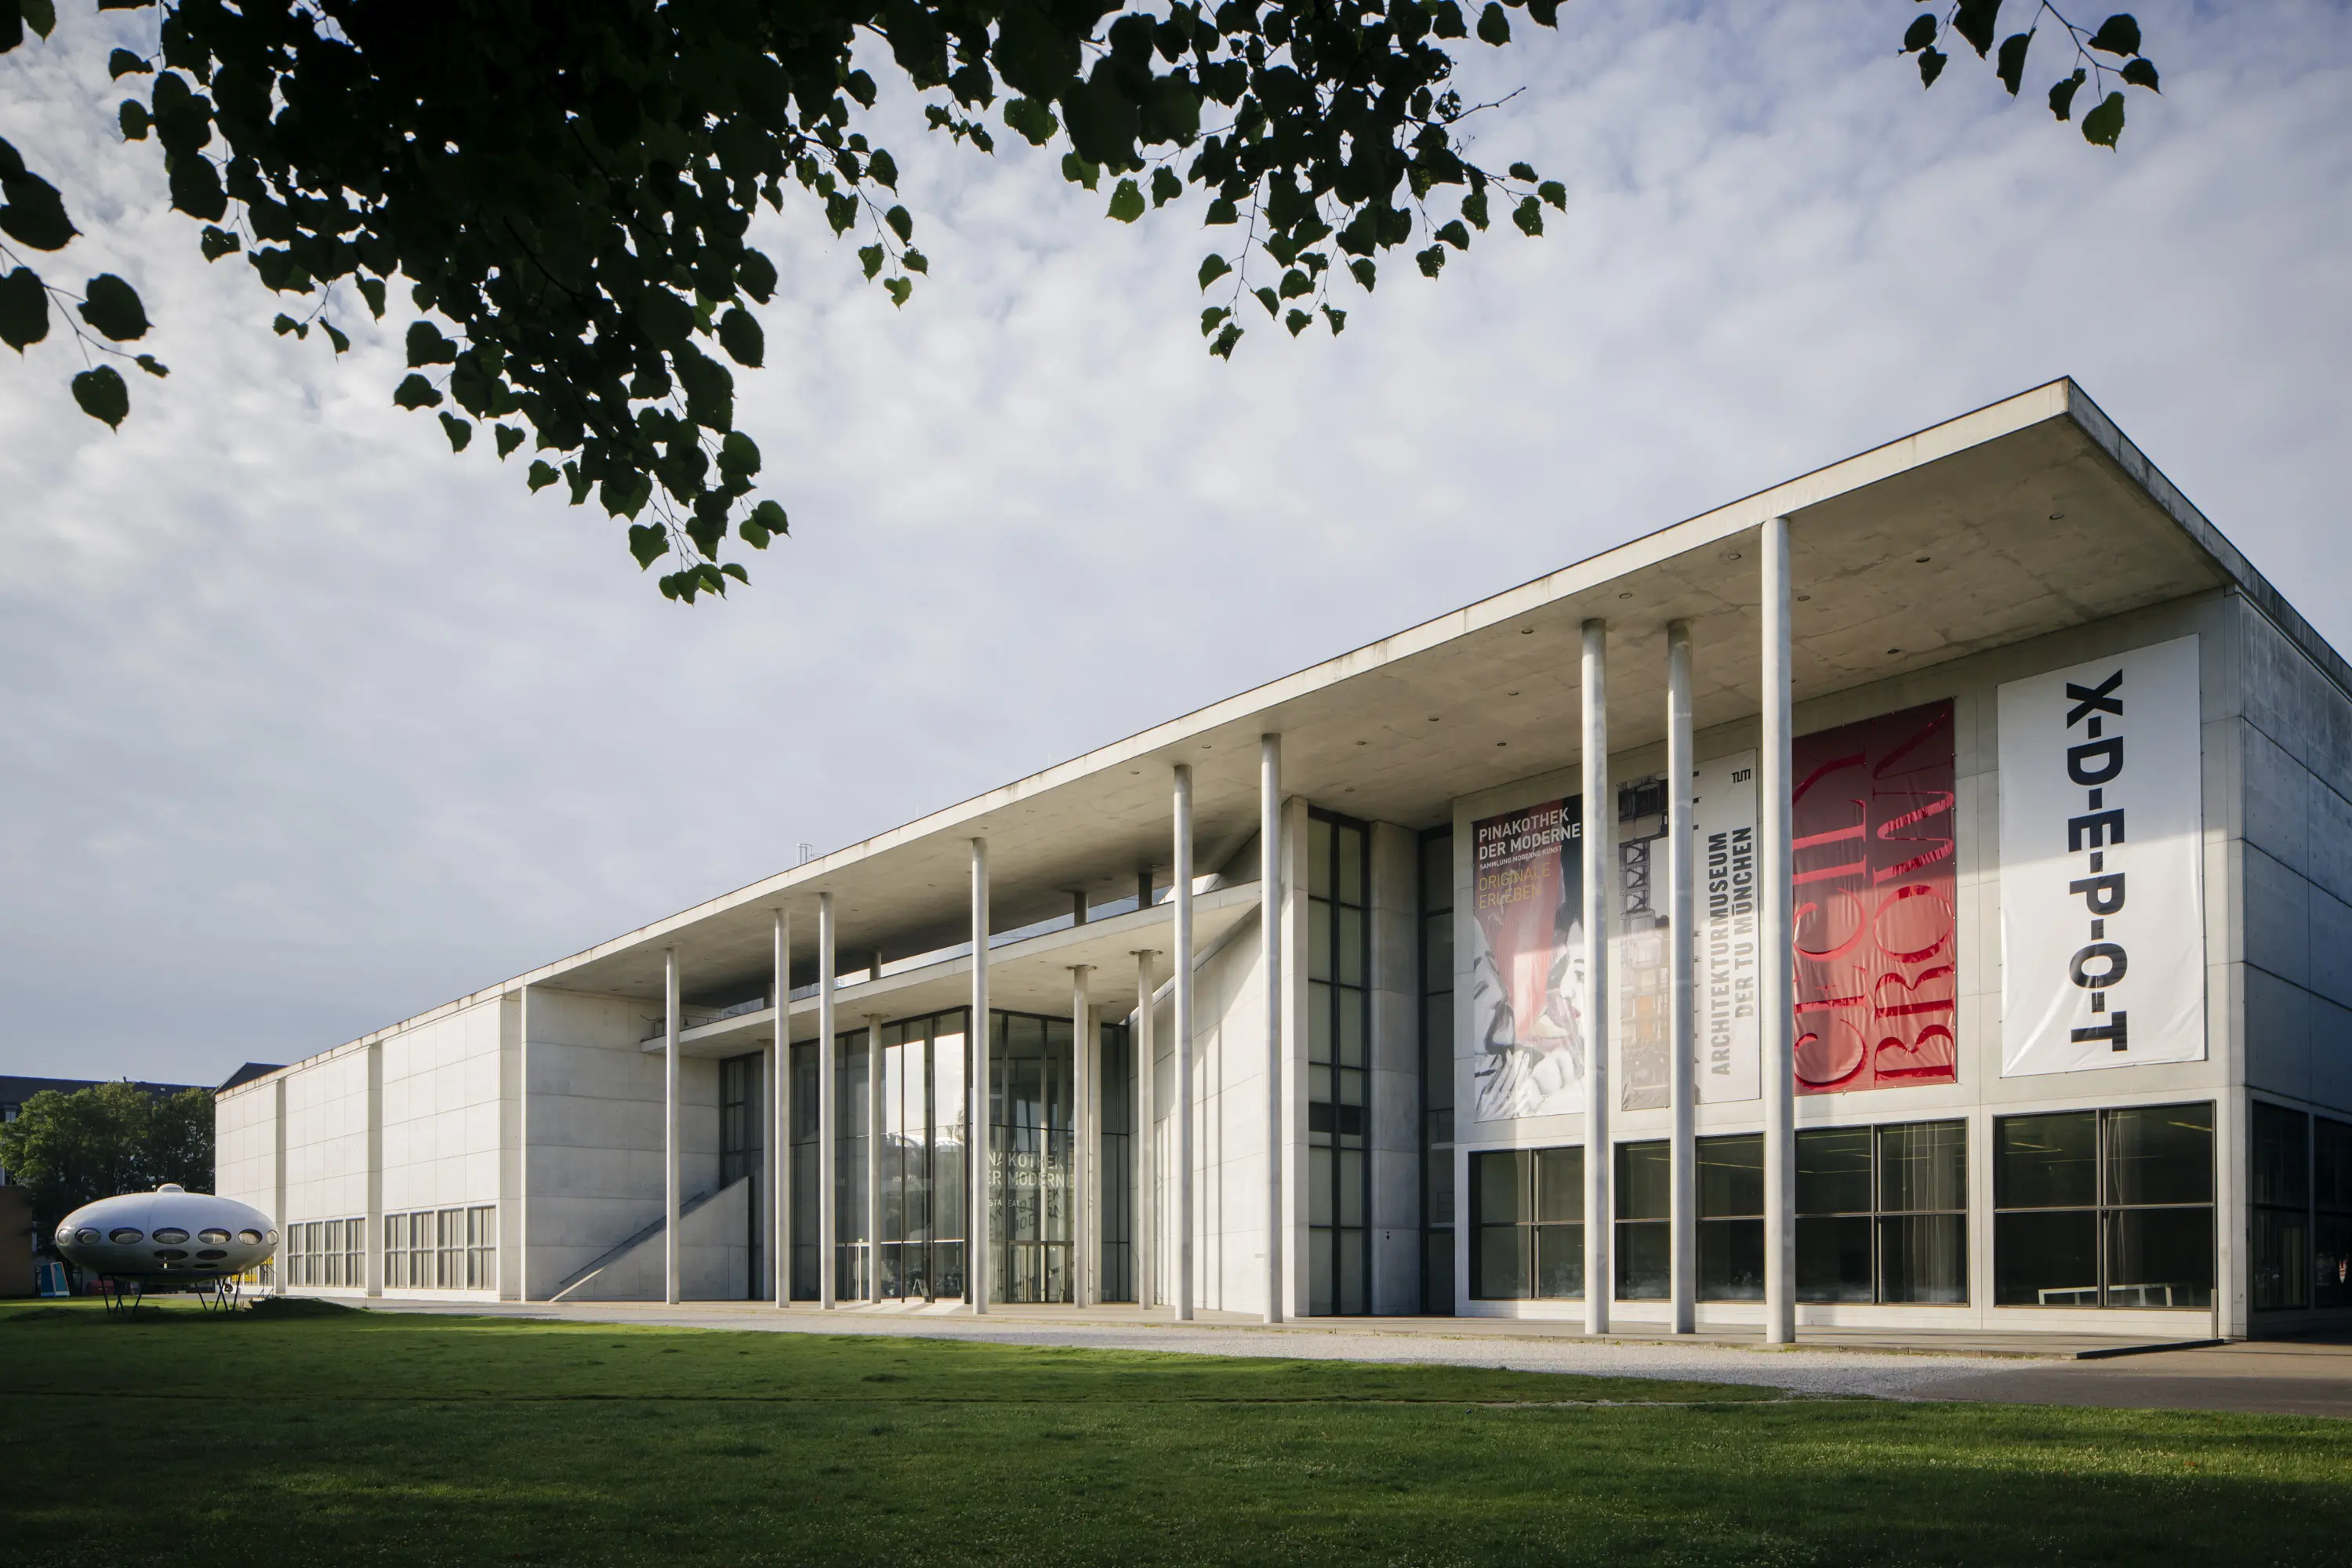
[(372, 1437)]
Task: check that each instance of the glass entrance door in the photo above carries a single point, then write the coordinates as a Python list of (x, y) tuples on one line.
[(1031, 1080), (922, 1158)]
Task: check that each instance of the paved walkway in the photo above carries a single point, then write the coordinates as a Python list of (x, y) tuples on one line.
[(2288, 1377)]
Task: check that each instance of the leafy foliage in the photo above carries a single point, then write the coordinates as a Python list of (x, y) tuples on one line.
[(1975, 22), (563, 191), (75, 1148)]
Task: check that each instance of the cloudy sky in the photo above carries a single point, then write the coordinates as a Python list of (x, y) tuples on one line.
[(309, 725)]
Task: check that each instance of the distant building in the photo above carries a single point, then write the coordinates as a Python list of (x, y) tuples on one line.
[(14, 1091), (1730, 929)]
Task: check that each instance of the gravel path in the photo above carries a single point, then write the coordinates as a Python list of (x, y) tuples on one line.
[(1798, 1371)]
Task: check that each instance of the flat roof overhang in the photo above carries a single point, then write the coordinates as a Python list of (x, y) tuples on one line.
[(2021, 519)]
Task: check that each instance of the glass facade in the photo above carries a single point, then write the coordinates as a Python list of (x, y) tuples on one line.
[(1731, 1218), (2331, 1169), (1437, 1071), (805, 1279), (1526, 1241), (1882, 1214), (2105, 1208), (2279, 1195), (1644, 1181), (1029, 1165), (743, 1143), (924, 1110), (1115, 1167), (1339, 1053)]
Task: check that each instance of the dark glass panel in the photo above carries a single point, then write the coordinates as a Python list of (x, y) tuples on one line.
[(2281, 1164), (1833, 1259), (2046, 1162), (1644, 1181), (1438, 1200), (1924, 1258), (1350, 956), (1560, 1261), (2332, 1165), (1437, 871), (1348, 847), (2332, 1261), (1560, 1185), (2282, 1258), (1321, 1291), (1318, 857), (1832, 1177), (1437, 951), (1644, 1261), (2160, 1258), (1731, 1260), (2160, 1154), (1437, 1272), (1498, 1185), (1731, 1176), (2046, 1258), (1319, 939), (1923, 1166)]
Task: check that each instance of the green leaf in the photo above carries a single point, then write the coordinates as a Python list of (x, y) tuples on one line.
[(507, 438), (884, 169), (1454, 234), (739, 335), (915, 261), (1555, 192), (1295, 283), (1165, 186), (1931, 66), (541, 475), (1224, 347), (1474, 208), (1213, 267), (35, 213), (871, 257), (901, 222), (2062, 97), (738, 454), (1338, 320), (152, 367), (1079, 172), (1919, 33), (1524, 172), (426, 345), (1974, 20), (1528, 215), (41, 15), (1363, 271), (1297, 322), (1432, 260), (2010, 63), (1494, 27), (123, 63), (734, 570), (102, 395), (2118, 34), (461, 434), (414, 392), (2105, 123), (1033, 118), (218, 242), (1267, 297), (195, 187), (111, 306), (371, 289), (769, 515), (1213, 317), (2141, 73), (24, 310), (898, 289), (134, 119), (648, 541), (1127, 201), (1222, 211), (334, 335), (284, 324)]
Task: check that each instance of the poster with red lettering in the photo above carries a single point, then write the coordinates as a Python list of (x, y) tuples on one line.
[(1876, 970)]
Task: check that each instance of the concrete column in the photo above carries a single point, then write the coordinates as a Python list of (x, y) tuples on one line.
[(374, 1264), (828, 1161), (875, 1123), (976, 1242), (671, 1153), (779, 1100), (1599, 889), (1680, 847), (1269, 947), (1775, 1001), (1147, 1138), (1182, 879), (278, 1186), (517, 1246), (1084, 1251)]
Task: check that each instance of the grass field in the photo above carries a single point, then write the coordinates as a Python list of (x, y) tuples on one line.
[(337, 1436)]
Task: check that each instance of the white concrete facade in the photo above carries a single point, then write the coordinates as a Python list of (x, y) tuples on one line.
[(544, 1099)]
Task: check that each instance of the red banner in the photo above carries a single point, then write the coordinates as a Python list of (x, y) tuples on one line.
[(1876, 970)]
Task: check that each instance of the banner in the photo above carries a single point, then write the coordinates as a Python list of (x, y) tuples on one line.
[(2102, 897), (1727, 1038), (1527, 975), (1872, 874)]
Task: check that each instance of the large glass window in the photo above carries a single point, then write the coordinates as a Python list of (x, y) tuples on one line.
[(1338, 1052), (2331, 1167), (1437, 1071), (1731, 1218), (2281, 1210), (742, 1139), (1882, 1214), (920, 1159), (852, 1114), (1115, 1201), (805, 1279), (2105, 1208), (1644, 1198), (1527, 1241), (1029, 1084)]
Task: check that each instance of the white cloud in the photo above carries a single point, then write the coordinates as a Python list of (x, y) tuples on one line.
[(311, 725)]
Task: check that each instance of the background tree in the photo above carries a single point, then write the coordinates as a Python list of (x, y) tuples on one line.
[(74, 1149), (564, 186)]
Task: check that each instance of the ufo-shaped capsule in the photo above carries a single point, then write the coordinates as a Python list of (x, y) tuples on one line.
[(168, 1234)]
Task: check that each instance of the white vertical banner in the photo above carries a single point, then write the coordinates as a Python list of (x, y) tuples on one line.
[(2102, 848), (1725, 1036)]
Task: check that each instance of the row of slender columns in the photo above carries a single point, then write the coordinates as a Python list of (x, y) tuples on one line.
[(1775, 1002)]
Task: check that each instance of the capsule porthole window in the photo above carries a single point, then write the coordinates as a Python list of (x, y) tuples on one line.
[(172, 1236)]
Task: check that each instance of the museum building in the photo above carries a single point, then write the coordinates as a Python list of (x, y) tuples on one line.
[(1917, 895)]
